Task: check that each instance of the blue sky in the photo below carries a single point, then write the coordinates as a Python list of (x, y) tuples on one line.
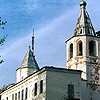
[(54, 22)]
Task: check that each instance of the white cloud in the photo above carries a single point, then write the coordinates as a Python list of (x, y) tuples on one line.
[(45, 32), (27, 6), (17, 46), (52, 26), (31, 5)]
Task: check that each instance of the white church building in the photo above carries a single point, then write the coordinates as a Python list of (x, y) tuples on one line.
[(79, 81)]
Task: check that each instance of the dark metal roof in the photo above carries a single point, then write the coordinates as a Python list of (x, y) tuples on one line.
[(84, 25), (29, 61)]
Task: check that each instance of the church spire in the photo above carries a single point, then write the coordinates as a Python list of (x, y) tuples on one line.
[(84, 25), (33, 42)]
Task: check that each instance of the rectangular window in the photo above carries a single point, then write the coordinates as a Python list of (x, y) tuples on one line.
[(7, 98), (12, 96), (35, 89), (41, 86), (70, 91), (26, 93), (15, 96), (22, 95), (19, 95)]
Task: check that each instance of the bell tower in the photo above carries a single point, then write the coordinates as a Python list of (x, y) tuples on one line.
[(83, 48)]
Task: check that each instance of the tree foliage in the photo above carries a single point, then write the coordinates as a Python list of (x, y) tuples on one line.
[(2, 38), (5, 87)]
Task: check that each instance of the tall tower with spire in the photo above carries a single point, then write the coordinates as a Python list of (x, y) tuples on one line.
[(29, 64), (83, 48)]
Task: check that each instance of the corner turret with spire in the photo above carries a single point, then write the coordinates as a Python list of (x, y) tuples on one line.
[(29, 64), (84, 45)]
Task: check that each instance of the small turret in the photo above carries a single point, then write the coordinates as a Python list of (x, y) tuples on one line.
[(29, 64), (84, 46)]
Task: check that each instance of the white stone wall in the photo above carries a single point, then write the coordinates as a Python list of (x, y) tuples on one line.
[(77, 62), (86, 94), (22, 73), (57, 85), (81, 62), (27, 83)]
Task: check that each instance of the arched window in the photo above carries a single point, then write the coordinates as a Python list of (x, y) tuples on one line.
[(88, 31), (92, 48), (81, 31), (80, 48), (71, 50)]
